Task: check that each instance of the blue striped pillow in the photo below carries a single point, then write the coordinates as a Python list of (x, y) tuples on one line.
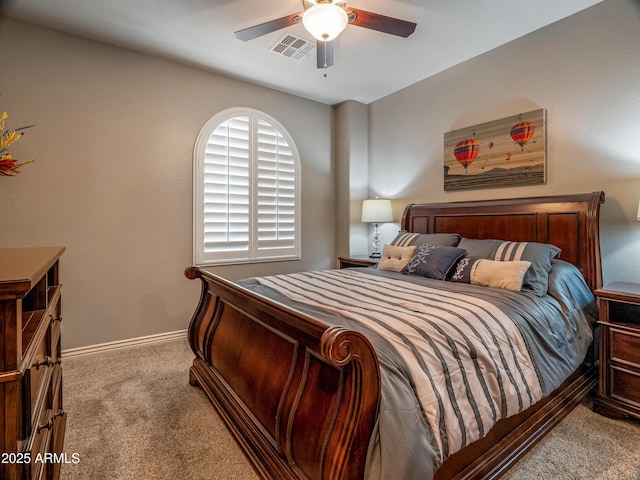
[(539, 254), (405, 238)]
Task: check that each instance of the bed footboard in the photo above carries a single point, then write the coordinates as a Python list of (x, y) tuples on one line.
[(301, 397)]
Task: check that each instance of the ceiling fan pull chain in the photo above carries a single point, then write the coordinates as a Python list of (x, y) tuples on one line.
[(325, 36)]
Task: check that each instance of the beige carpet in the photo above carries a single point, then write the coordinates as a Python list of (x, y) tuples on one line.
[(133, 415)]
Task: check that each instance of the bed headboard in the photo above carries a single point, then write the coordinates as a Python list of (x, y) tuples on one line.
[(570, 222)]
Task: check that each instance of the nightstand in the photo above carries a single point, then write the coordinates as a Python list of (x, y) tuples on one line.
[(619, 390), (357, 261)]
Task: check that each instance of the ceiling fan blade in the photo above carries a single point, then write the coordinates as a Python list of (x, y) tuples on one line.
[(381, 23), (267, 27), (320, 53)]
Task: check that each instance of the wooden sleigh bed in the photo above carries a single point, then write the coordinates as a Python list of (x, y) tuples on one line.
[(302, 397)]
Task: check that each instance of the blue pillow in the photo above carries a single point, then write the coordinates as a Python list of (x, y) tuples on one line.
[(539, 254), (568, 286), (433, 261)]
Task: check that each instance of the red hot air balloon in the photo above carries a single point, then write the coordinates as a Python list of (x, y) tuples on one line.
[(522, 132), (466, 151)]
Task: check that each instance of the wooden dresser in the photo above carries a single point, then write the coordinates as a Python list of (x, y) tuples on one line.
[(32, 418)]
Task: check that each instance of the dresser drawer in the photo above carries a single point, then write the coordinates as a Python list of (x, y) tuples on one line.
[(55, 337), (625, 347), (56, 389), (37, 385), (625, 385), (57, 440), (38, 444)]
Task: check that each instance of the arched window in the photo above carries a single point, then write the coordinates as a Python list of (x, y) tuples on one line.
[(246, 190)]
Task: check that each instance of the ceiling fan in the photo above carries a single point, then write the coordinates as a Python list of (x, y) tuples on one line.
[(325, 19)]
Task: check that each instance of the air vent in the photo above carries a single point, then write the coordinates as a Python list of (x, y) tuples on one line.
[(294, 47)]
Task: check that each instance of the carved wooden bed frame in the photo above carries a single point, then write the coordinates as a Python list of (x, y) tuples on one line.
[(301, 397)]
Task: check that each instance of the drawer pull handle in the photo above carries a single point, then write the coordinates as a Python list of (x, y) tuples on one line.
[(47, 362), (44, 363), (46, 426)]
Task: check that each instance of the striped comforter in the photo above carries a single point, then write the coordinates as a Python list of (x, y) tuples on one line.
[(454, 358)]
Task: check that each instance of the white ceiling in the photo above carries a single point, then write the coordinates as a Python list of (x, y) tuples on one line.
[(368, 65)]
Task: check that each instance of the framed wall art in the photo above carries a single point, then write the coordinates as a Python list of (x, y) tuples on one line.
[(502, 153)]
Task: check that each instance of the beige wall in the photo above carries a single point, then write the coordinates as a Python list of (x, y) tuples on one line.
[(352, 179), (115, 132), (584, 70)]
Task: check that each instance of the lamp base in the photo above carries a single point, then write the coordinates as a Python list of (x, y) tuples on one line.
[(375, 255)]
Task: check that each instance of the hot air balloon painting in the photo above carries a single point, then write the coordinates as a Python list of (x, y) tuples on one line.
[(507, 152), (466, 151), (522, 132)]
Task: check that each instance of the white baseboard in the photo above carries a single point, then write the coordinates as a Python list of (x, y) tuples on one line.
[(131, 342)]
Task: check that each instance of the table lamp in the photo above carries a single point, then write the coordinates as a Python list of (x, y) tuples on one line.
[(376, 211)]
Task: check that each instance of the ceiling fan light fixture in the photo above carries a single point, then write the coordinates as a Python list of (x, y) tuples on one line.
[(325, 21)]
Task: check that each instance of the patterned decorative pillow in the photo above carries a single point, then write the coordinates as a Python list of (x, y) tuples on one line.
[(394, 259), (433, 261), (491, 273), (462, 272), (405, 238), (539, 254)]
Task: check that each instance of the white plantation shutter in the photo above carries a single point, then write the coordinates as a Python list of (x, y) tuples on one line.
[(227, 193), (246, 199), (276, 190)]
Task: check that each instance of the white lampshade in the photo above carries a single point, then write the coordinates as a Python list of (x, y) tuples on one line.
[(325, 21), (377, 211)]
